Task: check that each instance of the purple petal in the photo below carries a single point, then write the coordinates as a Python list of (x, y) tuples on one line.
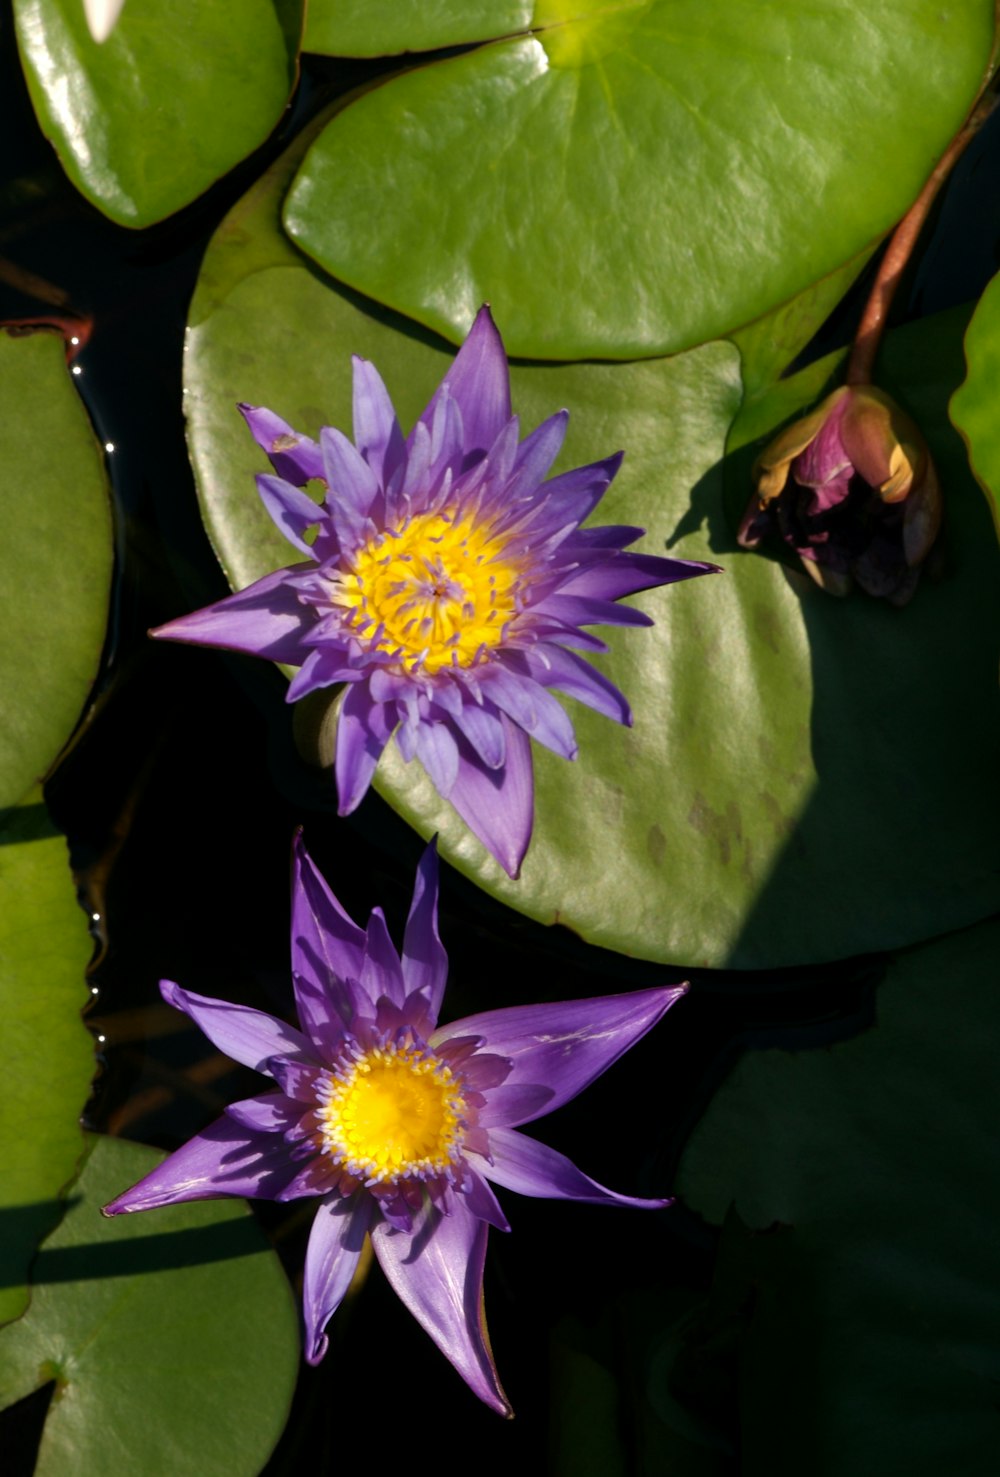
[(271, 1112), (531, 708), (295, 458), (265, 619), (363, 730), (248, 1036), (376, 430), (564, 501), (292, 510), (437, 750), (584, 610), (353, 488), (625, 574), (480, 385), (437, 1272), (425, 963), (498, 804), (566, 1045), (335, 1243), (482, 1202), (483, 728), (327, 950), (322, 668), (515, 1103), (554, 666), (531, 1168), (225, 1159), (381, 972), (535, 456)]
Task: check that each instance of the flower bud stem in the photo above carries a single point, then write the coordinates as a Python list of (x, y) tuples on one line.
[(900, 248)]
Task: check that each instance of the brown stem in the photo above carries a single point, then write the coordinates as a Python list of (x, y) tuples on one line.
[(873, 319)]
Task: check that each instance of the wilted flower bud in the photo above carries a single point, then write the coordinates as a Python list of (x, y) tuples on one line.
[(853, 489)]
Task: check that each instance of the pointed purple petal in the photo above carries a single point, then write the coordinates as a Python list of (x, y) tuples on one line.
[(293, 511), (481, 1201), (381, 972), (567, 1044), (425, 963), (353, 488), (265, 619), (437, 1272), (224, 1159), (584, 610), (376, 430), (327, 950), (437, 750), (479, 382), (483, 728), (554, 666), (531, 1168), (294, 457), (625, 574), (271, 1112), (531, 708), (498, 804), (535, 456), (363, 730), (335, 1243), (248, 1036)]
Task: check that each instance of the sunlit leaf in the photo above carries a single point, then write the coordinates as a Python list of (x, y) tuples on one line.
[(49, 1059), (171, 1336), (386, 27), (637, 178), (55, 558), (145, 121), (805, 779)]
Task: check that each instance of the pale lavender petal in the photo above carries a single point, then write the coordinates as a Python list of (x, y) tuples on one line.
[(377, 434), (248, 1036), (266, 619), (554, 666), (353, 487), (482, 1202), (437, 750), (437, 1272), (425, 963), (480, 384), (498, 804), (381, 971), (224, 1159), (271, 1112), (531, 1168), (291, 509), (531, 708), (565, 1045), (335, 1243), (327, 950), (363, 730), (482, 726), (294, 457), (535, 456)]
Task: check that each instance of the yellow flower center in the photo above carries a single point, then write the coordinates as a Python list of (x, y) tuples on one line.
[(398, 1113), (435, 593)]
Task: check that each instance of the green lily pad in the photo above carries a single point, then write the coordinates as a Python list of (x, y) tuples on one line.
[(387, 27), (55, 558), (974, 404), (49, 1057), (637, 178), (145, 122), (806, 778), (875, 1294), (172, 1336)]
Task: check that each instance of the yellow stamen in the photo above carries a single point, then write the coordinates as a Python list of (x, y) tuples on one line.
[(397, 1113), (437, 591)]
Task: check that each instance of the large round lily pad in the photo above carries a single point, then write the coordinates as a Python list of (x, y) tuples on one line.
[(638, 178), (171, 1336), (56, 557), (805, 779), (146, 121)]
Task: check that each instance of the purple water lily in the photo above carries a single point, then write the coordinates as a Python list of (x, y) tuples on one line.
[(447, 585), (394, 1124)]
